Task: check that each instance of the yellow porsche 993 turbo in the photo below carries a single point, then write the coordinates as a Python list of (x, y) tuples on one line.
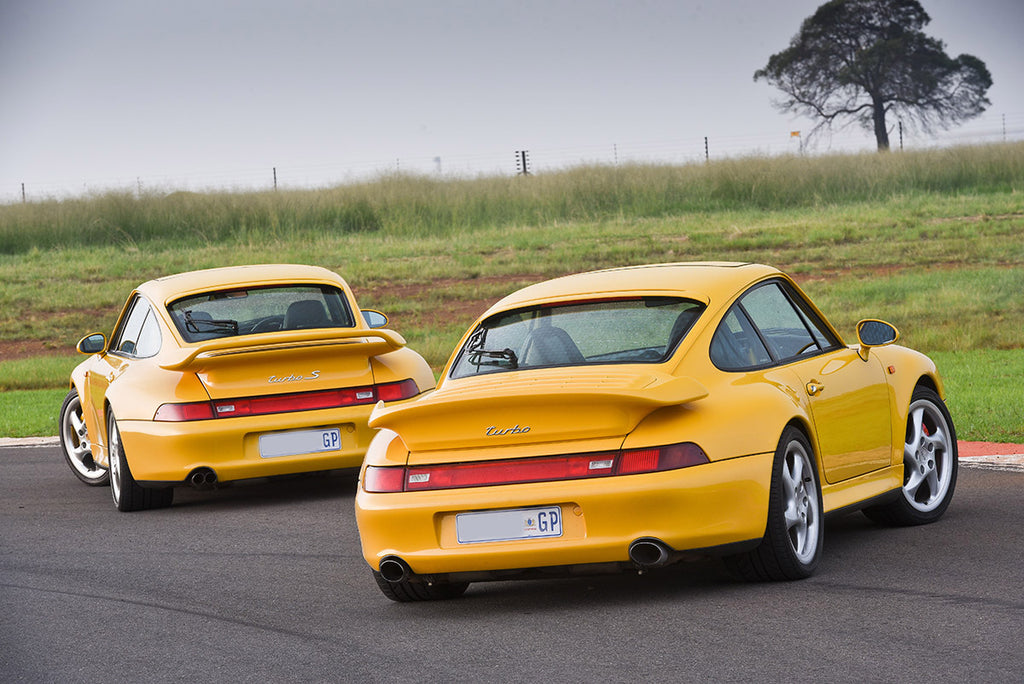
[(231, 373), (630, 418)]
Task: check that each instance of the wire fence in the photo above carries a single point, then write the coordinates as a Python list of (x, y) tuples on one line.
[(987, 129)]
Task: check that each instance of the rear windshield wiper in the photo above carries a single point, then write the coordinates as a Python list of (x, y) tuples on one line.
[(209, 324), (506, 358)]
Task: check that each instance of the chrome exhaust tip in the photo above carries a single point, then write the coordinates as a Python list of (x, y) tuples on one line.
[(394, 569), (649, 553)]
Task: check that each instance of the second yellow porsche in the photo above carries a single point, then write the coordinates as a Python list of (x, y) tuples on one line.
[(231, 373), (631, 417)]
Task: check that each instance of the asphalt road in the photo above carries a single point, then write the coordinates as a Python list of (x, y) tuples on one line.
[(265, 581)]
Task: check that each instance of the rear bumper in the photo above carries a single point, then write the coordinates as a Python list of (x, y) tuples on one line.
[(702, 507), (167, 452)]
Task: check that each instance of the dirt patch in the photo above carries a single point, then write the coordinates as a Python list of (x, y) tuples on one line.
[(11, 350)]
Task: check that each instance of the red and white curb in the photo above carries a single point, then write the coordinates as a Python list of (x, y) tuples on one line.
[(992, 455)]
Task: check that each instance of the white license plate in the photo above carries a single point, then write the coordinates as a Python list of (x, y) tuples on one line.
[(519, 523), (274, 444)]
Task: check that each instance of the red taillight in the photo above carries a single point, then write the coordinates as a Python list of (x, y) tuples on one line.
[(285, 403), (639, 461), (668, 457), (395, 391), (175, 413), (510, 472), (388, 479), (542, 469)]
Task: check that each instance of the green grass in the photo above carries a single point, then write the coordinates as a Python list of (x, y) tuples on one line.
[(30, 413), (985, 394), (41, 372), (931, 241)]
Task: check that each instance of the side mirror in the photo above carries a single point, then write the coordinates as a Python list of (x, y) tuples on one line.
[(374, 319), (875, 333), (92, 344)]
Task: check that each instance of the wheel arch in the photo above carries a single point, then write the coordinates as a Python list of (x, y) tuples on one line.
[(803, 424)]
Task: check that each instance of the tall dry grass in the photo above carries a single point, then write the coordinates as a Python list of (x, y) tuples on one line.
[(404, 205)]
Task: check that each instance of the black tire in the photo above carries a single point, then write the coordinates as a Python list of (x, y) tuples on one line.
[(791, 547), (75, 443), (929, 464), (407, 591), (128, 495)]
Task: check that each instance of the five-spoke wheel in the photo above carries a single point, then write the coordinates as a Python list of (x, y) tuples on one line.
[(929, 464), (75, 444), (792, 541)]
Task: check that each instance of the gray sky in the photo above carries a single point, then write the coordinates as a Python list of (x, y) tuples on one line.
[(196, 94)]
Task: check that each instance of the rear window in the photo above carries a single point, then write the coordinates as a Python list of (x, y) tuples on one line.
[(251, 311), (635, 330)]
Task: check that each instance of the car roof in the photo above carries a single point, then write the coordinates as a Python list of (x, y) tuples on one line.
[(702, 280), (180, 284)]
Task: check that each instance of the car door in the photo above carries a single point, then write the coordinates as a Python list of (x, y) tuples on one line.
[(136, 337), (847, 395)]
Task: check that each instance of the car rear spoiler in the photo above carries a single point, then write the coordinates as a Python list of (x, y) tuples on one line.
[(369, 342), (588, 406)]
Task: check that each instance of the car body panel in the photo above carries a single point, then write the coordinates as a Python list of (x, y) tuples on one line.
[(267, 364), (681, 507), (850, 402), (851, 412)]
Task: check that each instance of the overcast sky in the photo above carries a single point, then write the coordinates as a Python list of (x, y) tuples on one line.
[(196, 94)]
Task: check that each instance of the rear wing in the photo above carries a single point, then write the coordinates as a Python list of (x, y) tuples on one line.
[(541, 408), (208, 353)]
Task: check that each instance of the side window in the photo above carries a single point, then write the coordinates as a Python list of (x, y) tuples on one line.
[(139, 335), (736, 344), (769, 324), (780, 324)]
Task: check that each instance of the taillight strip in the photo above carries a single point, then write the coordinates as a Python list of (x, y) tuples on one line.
[(384, 479), (287, 403)]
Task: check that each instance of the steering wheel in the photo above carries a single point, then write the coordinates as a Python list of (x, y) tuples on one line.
[(268, 324)]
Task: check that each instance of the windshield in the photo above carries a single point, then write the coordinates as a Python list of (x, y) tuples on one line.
[(250, 311), (635, 330)]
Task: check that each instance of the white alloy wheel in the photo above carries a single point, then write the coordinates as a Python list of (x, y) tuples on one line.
[(928, 458), (75, 444), (802, 509)]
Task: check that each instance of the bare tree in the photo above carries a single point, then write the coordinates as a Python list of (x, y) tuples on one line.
[(860, 60)]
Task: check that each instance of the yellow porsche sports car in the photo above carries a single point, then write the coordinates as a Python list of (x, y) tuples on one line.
[(629, 418), (231, 373)]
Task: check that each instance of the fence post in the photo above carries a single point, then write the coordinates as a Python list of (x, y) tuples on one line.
[(707, 157), (275, 179), (522, 163), (23, 193)]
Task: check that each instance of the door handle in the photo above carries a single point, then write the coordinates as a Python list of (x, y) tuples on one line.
[(814, 389)]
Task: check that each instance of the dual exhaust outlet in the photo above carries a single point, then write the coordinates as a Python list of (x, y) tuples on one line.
[(646, 553), (202, 478)]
